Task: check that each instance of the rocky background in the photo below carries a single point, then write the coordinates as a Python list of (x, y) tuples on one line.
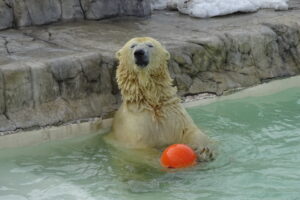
[(61, 73), (17, 13)]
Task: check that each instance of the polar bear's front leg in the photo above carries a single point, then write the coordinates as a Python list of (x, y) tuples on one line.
[(197, 140)]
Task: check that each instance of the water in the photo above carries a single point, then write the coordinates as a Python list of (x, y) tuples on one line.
[(259, 158)]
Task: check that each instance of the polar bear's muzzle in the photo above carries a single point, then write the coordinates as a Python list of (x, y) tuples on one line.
[(141, 58)]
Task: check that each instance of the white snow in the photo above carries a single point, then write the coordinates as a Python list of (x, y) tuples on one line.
[(211, 8)]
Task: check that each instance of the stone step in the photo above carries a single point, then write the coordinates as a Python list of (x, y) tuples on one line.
[(54, 74)]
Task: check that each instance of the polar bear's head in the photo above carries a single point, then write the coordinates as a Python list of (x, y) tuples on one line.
[(142, 53), (142, 74)]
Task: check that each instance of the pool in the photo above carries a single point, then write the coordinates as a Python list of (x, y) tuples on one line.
[(258, 138)]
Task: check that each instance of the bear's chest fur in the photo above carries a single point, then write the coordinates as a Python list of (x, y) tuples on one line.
[(146, 128)]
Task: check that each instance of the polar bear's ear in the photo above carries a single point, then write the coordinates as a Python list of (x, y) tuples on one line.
[(118, 54), (167, 55)]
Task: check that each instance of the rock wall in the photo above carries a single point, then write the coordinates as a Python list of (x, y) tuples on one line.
[(37, 94), (6, 16), (17, 13), (236, 59)]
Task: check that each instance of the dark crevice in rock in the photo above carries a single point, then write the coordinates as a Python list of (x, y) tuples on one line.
[(60, 87), (6, 42), (293, 8), (32, 87), (29, 14), (223, 40), (4, 97), (198, 93), (61, 10), (53, 44), (39, 39), (6, 115), (286, 42), (62, 84), (65, 100), (115, 88), (49, 36), (199, 43), (7, 3), (266, 80), (14, 22), (56, 124), (60, 90), (85, 76), (6, 46), (82, 9), (59, 83)]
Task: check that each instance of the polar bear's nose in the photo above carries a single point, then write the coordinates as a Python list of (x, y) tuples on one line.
[(139, 53), (141, 57)]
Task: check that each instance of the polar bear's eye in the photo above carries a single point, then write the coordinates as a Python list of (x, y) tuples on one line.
[(150, 45), (132, 46)]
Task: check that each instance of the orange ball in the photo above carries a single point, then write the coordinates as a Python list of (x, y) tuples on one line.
[(178, 156)]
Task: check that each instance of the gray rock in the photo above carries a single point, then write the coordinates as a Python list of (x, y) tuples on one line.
[(45, 11), (91, 64), (238, 58), (21, 14), (42, 93), (71, 10), (183, 82), (38, 12), (45, 87), (99, 9), (6, 124), (18, 87), (67, 72), (288, 43), (54, 112), (65, 68), (35, 12), (174, 68), (6, 16), (200, 86), (138, 8), (2, 97)]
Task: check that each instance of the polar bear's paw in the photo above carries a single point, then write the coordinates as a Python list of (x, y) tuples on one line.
[(205, 154)]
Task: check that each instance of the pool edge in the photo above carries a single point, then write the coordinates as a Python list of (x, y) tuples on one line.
[(263, 89), (54, 133)]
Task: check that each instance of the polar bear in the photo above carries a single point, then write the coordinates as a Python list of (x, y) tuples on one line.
[(151, 115)]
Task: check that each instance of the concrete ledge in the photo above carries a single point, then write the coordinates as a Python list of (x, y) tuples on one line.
[(48, 134), (264, 89)]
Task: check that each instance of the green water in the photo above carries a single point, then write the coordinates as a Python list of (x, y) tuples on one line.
[(259, 158)]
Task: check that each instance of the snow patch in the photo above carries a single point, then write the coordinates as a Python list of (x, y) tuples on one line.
[(211, 8)]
